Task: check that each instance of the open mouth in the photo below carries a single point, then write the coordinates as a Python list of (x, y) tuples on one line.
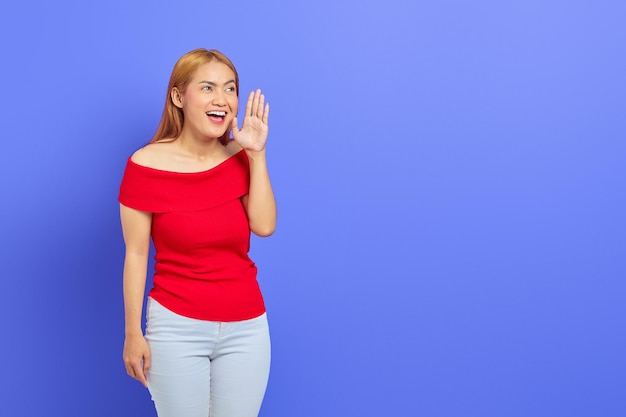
[(216, 116)]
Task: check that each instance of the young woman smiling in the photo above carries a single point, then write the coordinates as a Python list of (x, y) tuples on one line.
[(198, 193)]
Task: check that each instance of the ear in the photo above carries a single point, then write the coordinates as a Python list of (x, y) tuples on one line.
[(177, 97)]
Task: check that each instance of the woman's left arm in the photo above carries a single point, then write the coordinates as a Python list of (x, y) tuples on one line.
[(260, 203)]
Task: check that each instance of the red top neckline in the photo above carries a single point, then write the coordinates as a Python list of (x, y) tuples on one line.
[(164, 171)]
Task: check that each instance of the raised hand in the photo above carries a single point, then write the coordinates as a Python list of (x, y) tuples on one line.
[(253, 133)]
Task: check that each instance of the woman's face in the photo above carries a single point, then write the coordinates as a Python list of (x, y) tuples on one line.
[(210, 100)]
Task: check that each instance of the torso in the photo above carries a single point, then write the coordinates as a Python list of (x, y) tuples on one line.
[(199, 228)]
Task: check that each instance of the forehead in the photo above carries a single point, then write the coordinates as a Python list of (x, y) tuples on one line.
[(213, 71)]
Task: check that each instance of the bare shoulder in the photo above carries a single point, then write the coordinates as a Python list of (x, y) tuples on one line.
[(152, 155), (232, 147)]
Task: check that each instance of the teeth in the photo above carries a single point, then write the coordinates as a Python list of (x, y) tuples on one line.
[(216, 113)]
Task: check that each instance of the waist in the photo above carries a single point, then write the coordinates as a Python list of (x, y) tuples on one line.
[(216, 297)]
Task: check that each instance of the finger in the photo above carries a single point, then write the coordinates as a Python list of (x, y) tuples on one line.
[(255, 102), (266, 113), (147, 362), (249, 105), (142, 379), (129, 365), (139, 375), (261, 106), (130, 370)]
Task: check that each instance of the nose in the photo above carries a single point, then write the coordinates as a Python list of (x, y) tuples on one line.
[(219, 98)]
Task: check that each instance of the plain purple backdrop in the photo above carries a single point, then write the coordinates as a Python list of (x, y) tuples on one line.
[(450, 180)]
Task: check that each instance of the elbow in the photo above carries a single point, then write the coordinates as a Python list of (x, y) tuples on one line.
[(263, 224), (263, 230)]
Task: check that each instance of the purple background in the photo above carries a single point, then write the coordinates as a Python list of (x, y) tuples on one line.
[(450, 179)]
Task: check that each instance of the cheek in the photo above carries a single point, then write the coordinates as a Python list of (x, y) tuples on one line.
[(234, 103), (193, 106), (194, 100)]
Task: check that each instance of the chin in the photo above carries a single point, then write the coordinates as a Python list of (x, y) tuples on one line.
[(215, 133)]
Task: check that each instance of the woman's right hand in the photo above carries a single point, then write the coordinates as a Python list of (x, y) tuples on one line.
[(137, 357)]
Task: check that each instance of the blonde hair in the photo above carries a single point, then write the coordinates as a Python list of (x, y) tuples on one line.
[(171, 124)]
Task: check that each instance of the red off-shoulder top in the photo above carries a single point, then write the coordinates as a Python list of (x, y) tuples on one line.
[(201, 237)]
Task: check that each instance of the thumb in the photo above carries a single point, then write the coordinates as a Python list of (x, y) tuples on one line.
[(146, 363), (233, 126)]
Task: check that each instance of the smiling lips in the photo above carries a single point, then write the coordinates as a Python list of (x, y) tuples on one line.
[(216, 116)]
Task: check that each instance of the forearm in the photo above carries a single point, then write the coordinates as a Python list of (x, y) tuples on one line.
[(261, 204), (135, 269)]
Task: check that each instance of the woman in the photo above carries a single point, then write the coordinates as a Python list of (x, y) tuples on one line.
[(198, 195)]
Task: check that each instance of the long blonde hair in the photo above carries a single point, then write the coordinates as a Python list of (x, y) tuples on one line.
[(171, 124)]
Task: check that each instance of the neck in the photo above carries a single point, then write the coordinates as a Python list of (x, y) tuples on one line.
[(198, 147)]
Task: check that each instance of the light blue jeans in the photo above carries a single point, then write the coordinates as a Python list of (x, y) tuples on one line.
[(205, 368)]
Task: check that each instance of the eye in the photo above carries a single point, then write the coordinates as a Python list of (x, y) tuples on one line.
[(207, 88), (230, 89)]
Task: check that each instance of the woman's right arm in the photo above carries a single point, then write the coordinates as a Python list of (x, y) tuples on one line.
[(136, 227)]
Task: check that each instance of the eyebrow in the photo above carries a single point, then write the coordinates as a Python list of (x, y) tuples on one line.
[(215, 84)]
